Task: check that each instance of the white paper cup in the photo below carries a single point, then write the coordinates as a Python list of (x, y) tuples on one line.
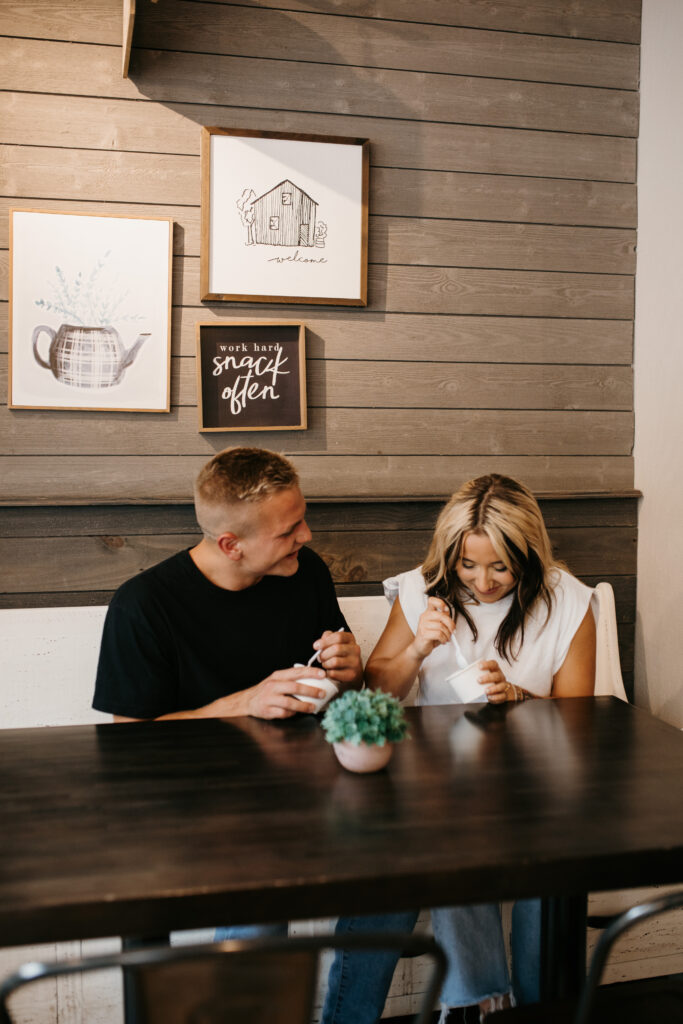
[(331, 690), (465, 684)]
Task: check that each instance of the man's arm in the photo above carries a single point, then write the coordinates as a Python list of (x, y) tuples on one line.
[(268, 699)]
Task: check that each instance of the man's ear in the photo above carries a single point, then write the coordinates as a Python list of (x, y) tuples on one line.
[(229, 544)]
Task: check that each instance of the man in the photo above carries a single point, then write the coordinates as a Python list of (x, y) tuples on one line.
[(214, 631)]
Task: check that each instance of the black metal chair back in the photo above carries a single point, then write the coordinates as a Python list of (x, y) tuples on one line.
[(245, 982)]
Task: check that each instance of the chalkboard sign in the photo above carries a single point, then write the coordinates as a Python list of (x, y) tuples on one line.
[(251, 375)]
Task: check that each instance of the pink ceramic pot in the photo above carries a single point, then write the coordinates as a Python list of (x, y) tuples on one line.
[(361, 757)]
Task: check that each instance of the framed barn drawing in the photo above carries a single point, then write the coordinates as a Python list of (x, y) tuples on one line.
[(251, 375), (90, 303), (284, 218)]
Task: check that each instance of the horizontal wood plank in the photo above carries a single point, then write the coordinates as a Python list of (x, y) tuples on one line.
[(168, 177), (425, 193), (610, 20), (98, 21), (36, 119), (356, 432), (411, 193), (592, 19), (404, 516), (471, 292), (54, 564), (381, 383), (622, 585), (336, 334), (370, 42), (505, 292), (349, 334), (378, 92), (110, 478), (486, 244), (458, 243)]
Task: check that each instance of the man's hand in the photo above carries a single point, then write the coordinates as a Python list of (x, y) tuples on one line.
[(271, 697), (339, 655)]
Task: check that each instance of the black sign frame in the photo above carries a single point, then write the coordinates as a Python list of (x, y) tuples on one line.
[(251, 375)]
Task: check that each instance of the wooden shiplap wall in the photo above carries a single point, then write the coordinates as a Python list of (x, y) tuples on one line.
[(498, 333), (54, 556)]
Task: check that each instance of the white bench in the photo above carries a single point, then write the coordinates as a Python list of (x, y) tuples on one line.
[(49, 657)]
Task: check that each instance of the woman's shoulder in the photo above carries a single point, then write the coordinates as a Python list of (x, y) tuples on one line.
[(562, 582), (569, 594), (409, 588)]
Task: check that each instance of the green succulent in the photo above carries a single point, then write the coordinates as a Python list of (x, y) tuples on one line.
[(365, 716)]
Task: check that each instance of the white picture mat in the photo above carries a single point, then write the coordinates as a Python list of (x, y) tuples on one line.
[(330, 173), (136, 267)]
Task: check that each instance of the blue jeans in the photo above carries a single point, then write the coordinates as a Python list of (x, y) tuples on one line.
[(358, 981), (471, 937)]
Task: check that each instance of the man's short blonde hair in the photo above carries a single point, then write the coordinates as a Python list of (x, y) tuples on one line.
[(233, 480)]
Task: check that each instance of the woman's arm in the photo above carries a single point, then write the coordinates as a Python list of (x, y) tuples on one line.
[(574, 678), (398, 654), (576, 675)]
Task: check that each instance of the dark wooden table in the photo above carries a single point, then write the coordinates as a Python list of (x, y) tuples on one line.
[(143, 828)]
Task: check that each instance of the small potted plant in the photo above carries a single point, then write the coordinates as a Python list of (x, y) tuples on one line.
[(362, 726)]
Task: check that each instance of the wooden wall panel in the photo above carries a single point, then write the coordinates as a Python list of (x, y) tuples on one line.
[(309, 36), (57, 556), (393, 191), (83, 479), (592, 19), (613, 20), (337, 334), (396, 143), (438, 385), (332, 431), (360, 91), (502, 229)]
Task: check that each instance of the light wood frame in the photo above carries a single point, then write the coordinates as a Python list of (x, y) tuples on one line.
[(162, 404), (349, 263), (206, 327)]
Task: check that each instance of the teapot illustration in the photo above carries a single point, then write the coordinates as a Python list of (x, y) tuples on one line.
[(86, 357)]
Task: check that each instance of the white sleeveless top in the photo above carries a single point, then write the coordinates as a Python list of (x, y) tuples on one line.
[(546, 638)]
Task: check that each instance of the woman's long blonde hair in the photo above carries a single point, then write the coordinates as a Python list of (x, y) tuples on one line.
[(507, 513)]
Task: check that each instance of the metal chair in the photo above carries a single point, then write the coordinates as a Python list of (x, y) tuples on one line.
[(630, 1002), (249, 982)]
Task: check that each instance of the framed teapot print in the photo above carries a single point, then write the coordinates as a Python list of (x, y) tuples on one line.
[(90, 304)]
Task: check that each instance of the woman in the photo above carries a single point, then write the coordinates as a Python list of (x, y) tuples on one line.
[(489, 591)]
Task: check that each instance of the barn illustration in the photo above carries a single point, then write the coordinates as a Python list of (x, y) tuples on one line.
[(284, 216)]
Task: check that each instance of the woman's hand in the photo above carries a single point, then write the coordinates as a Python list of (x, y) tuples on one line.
[(434, 627), (492, 678), (498, 689)]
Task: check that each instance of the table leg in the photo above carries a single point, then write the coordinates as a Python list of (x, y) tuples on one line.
[(563, 946), (130, 1001)]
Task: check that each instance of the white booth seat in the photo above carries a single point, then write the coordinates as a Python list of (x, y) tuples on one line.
[(49, 657)]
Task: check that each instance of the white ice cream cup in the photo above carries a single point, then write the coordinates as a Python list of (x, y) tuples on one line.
[(331, 690), (465, 684)]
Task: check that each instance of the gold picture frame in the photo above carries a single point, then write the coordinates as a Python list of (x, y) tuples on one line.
[(284, 217)]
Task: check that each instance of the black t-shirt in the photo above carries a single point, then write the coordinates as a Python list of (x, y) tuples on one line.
[(174, 641)]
